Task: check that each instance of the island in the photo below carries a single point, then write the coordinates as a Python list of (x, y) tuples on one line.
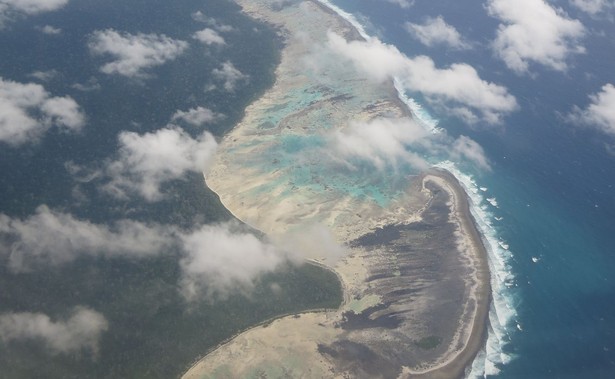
[(413, 265)]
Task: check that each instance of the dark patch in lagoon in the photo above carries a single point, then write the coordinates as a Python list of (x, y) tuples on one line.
[(418, 274), (429, 343), (364, 320), (360, 360), (379, 237), (388, 234)]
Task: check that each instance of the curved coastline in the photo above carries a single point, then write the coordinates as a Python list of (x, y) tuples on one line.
[(457, 365), (454, 365), (319, 336)]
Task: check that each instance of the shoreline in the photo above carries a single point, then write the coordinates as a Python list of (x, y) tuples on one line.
[(456, 364), (478, 336), (349, 219)]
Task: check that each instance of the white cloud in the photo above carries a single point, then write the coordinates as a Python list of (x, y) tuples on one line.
[(457, 85), (312, 241), (91, 85), (81, 331), (534, 31), (593, 7), (215, 259), (9, 9), (34, 6), (229, 75), (465, 147), (382, 142), (402, 3), (44, 76), (134, 54), (436, 31), (200, 17), (146, 161), (198, 116), (50, 30), (600, 113), (50, 238), (390, 143), (63, 111), (27, 111), (219, 260), (209, 37)]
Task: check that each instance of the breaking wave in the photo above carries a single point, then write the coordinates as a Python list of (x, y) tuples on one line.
[(503, 319)]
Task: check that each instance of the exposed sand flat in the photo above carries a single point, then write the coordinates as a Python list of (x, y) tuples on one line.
[(415, 277), (285, 340)]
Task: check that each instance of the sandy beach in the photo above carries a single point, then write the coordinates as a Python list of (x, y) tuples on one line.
[(415, 272)]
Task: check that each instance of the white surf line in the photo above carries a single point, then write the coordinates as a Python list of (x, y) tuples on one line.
[(348, 17), (503, 315), (501, 277)]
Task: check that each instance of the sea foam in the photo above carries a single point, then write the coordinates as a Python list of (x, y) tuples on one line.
[(352, 20), (503, 317)]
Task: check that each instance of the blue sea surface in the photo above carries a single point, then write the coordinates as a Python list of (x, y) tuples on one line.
[(552, 186)]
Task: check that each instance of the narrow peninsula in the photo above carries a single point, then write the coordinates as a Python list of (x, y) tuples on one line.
[(415, 273)]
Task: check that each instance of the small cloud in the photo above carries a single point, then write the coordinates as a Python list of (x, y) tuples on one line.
[(219, 260), (44, 76), (230, 75), (134, 53), (405, 4), (382, 142), (465, 147), (435, 31), (532, 31), (49, 238), (209, 37), (600, 113), (212, 22), (50, 30), (593, 7), (11, 8), (389, 144), (63, 111), (91, 85), (198, 116), (34, 6), (145, 162), (315, 242), (199, 16), (27, 111), (79, 332)]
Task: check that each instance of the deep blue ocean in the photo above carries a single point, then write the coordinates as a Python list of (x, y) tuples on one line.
[(553, 183)]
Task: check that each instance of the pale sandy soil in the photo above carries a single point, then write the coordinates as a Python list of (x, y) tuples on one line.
[(377, 330)]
